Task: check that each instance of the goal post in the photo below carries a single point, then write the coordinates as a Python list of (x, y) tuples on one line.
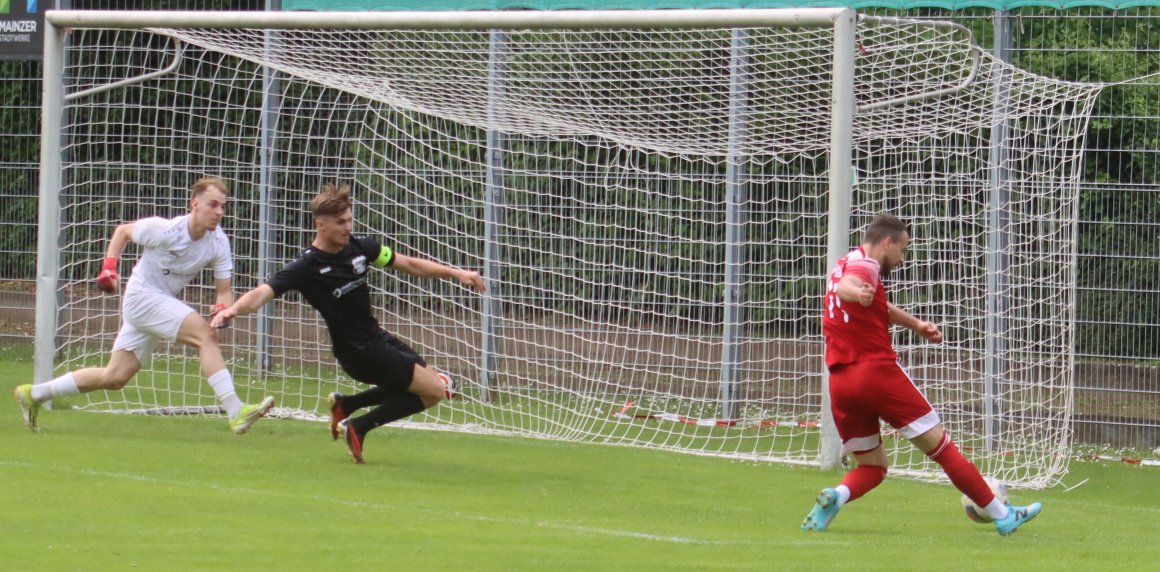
[(654, 197)]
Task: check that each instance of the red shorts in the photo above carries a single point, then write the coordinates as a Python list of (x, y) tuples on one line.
[(862, 393)]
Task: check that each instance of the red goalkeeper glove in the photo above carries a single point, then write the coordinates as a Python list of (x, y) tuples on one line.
[(213, 311), (108, 280)]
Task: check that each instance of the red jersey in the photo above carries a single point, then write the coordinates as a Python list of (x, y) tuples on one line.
[(854, 332)]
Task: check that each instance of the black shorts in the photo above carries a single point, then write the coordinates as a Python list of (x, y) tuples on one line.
[(385, 361)]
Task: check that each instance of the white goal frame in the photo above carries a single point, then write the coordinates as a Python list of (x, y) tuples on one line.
[(841, 20), (650, 196)]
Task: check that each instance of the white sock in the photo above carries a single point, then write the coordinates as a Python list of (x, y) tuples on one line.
[(62, 386), (223, 385), (997, 510), (843, 494)]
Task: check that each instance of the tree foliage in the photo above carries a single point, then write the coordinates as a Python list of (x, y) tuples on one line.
[(1119, 243)]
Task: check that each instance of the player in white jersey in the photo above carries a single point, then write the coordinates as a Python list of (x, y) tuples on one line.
[(174, 252)]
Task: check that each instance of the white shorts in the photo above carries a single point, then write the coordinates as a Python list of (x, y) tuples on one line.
[(146, 318)]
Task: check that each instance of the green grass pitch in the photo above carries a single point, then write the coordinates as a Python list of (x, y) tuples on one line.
[(111, 492)]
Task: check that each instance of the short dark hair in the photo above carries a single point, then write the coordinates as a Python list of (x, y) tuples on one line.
[(331, 201), (885, 225)]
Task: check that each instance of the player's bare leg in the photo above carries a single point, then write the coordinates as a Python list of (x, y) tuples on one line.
[(122, 366), (427, 383), (196, 332)]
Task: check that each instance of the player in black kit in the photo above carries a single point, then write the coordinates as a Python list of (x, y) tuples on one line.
[(332, 276)]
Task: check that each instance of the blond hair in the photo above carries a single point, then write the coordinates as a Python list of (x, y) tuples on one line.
[(204, 184), (331, 201)]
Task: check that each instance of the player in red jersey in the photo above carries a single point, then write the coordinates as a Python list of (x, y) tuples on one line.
[(867, 384)]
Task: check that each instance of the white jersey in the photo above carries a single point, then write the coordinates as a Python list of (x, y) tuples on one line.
[(172, 259)]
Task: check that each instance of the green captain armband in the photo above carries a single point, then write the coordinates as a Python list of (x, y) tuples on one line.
[(386, 257)]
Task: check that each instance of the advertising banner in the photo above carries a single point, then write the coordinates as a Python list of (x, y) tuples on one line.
[(22, 28)]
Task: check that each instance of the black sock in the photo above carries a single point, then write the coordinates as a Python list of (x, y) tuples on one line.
[(397, 406), (373, 396)]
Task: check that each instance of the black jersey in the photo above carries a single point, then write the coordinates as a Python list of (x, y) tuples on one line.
[(336, 285)]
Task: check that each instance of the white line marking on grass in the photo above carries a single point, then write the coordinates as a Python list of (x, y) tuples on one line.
[(1108, 507), (545, 524)]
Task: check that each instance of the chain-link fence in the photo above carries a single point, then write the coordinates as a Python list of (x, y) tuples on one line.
[(1118, 304), (1117, 398), (20, 83)]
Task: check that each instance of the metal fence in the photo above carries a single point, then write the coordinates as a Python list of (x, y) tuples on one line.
[(1117, 398), (1118, 307), (20, 83)]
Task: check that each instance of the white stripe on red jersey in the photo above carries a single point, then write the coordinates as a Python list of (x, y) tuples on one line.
[(854, 332)]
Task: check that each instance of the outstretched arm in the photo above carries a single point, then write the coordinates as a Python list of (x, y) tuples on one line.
[(431, 269), (247, 304), (928, 330)]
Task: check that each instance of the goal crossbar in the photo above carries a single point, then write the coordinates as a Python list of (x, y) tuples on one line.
[(554, 20)]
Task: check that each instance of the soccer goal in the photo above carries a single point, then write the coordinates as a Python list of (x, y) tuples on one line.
[(654, 199)]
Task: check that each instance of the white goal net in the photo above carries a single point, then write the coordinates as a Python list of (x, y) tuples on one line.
[(649, 205)]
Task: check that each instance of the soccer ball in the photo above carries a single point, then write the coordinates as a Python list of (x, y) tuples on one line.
[(979, 514), (450, 388)]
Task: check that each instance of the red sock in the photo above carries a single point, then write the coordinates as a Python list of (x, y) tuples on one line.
[(862, 479), (963, 473)]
